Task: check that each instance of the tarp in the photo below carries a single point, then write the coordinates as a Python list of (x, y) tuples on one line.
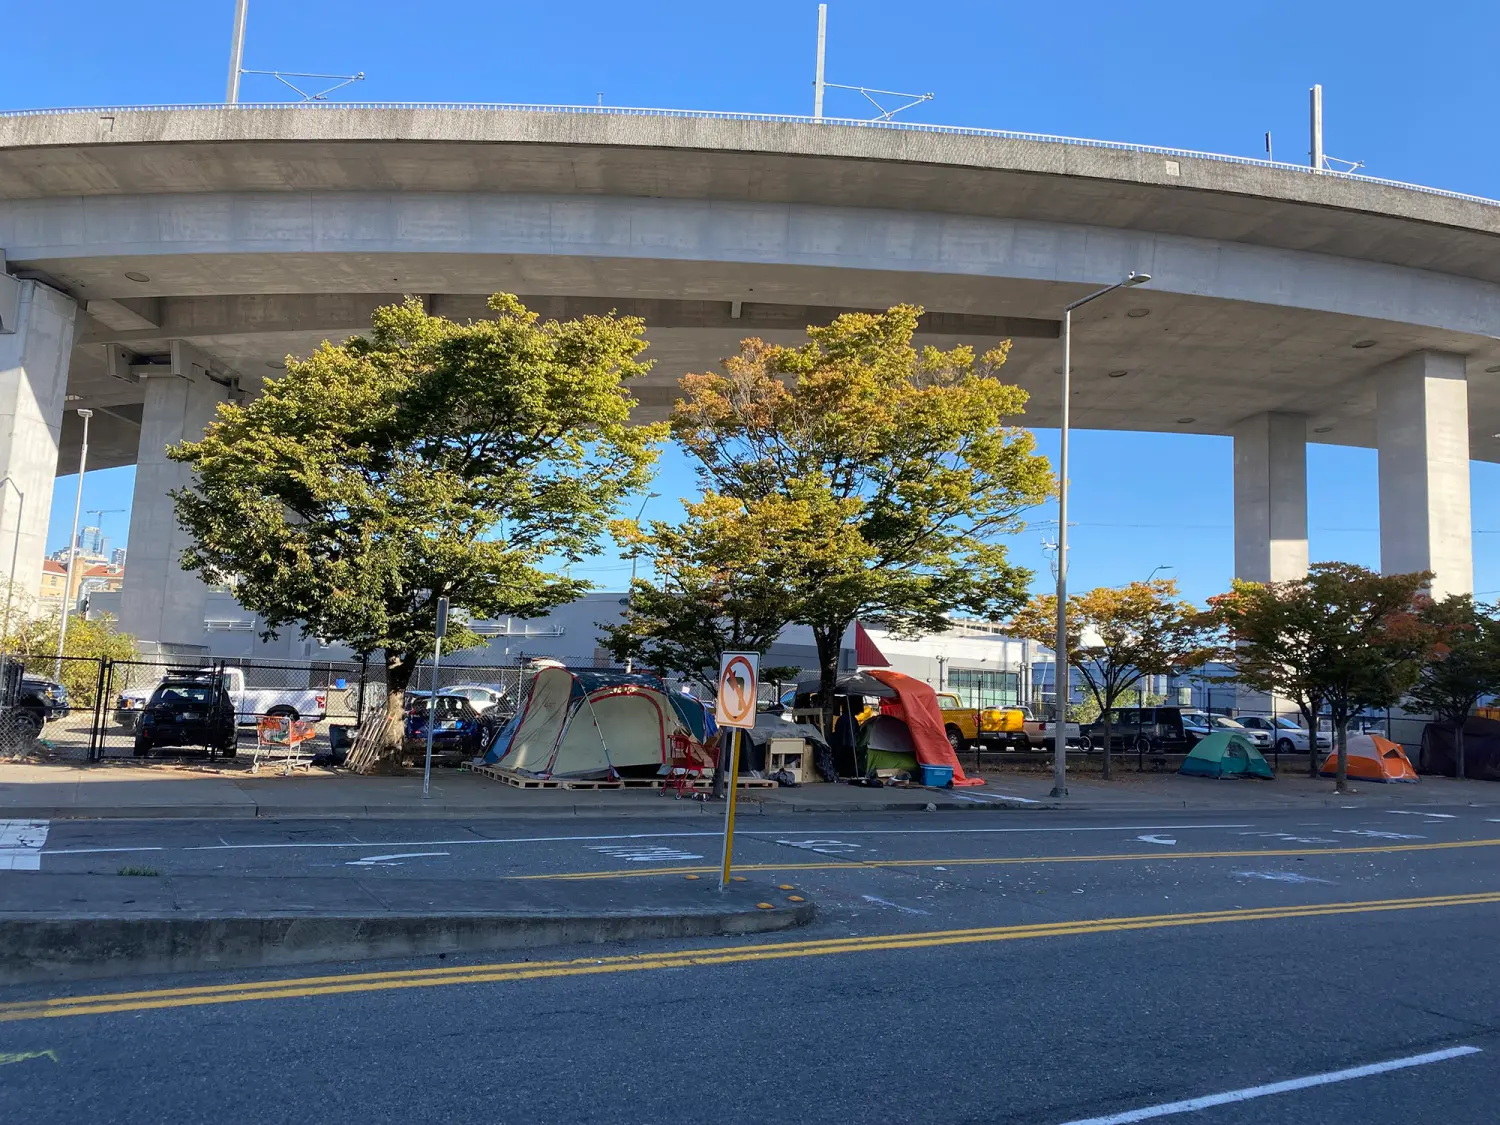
[(1481, 749), (919, 709), (1372, 758), (1226, 754), (587, 724)]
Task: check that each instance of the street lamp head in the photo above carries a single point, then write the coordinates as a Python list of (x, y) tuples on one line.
[(1137, 278)]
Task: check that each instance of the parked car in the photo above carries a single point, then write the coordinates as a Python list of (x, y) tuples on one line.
[(1261, 738), (1285, 734), (1151, 730), (1000, 726), (1043, 732), (35, 702), (461, 728), (309, 704), (482, 696), (196, 709)]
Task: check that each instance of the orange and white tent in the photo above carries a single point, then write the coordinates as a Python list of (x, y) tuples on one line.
[(1372, 758)]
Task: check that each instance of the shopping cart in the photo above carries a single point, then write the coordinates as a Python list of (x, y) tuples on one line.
[(687, 764)]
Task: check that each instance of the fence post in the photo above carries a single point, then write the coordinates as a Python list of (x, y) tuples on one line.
[(359, 705), (96, 733)]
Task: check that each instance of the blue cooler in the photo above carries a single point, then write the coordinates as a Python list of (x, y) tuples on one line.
[(937, 777)]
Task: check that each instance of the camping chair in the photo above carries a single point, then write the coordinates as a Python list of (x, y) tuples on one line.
[(686, 762)]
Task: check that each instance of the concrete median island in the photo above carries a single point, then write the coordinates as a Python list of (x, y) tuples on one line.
[(67, 927)]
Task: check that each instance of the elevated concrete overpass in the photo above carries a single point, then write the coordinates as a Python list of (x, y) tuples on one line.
[(169, 258)]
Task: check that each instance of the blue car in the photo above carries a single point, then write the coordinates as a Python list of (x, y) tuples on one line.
[(461, 730)]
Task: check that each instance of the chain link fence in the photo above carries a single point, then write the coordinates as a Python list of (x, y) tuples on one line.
[(89, 709)]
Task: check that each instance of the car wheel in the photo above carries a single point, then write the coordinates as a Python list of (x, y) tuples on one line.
[(955, 739), (1285, 746), (1142, 745), (142, 747), (284, 712)]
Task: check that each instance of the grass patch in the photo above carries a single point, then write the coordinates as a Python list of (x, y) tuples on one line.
[(139, 871)]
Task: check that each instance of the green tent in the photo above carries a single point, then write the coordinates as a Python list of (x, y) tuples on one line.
[(1226, 754)]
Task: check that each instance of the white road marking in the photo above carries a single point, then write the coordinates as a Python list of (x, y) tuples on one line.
[(822, 847), (1192, 1105), (1289, 838), (992, 798), (21, 844), (1419, 812), (1375, 834), (642, 853), (892, 905), (1157, 840), (472, 841), (389, 860), (1281, 877)]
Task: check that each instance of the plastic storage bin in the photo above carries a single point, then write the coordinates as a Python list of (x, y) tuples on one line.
[(940, 777)]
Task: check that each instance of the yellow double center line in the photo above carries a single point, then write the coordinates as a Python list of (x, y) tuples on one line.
[(1011, 861), (536, 970)]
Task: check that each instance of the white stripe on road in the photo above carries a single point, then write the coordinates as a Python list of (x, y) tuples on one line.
[(1192, 1105), (469, 841), (21, 844)]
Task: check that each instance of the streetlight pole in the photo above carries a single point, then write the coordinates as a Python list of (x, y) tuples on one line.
[(15, 554), (62, 625), (635, 554), (1064, 672), (236, 52)]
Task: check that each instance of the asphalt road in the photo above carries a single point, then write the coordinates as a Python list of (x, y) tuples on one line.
[(1015, 967)]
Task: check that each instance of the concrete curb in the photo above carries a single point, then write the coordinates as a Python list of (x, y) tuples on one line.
[(33, 950)]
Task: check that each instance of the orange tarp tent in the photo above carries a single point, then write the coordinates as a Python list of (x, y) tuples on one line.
[(917, 707), (1372, 758)]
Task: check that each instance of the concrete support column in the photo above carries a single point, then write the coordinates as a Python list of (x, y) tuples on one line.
[(36, 343), (160, 602), (1422, 433), (1270, 498)]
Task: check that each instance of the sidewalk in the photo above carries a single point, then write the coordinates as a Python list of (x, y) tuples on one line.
[(60, 791), (56, 927)]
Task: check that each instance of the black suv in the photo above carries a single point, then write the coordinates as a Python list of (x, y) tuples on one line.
[(188, 710), (1152, 730), (40, 701)]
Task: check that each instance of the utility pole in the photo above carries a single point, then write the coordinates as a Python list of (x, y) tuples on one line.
[(1315, 106), (236, 52), (62, 626), (818, 79)]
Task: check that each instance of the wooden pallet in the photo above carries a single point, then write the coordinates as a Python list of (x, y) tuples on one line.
[(703, 783), (520, 781), (576, 783)]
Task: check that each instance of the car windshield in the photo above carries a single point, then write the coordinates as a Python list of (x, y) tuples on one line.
[(1195, 719), (183, 693), (1288, 724), (1225, 721)]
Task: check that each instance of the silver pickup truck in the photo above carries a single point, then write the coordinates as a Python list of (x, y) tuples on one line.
[(1042, 733)]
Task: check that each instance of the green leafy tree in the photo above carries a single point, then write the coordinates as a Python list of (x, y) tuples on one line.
[(1118, 635), (1344, 637), (722, 581), (33, 638), (905, 462), (1464, 667), (430, 458)]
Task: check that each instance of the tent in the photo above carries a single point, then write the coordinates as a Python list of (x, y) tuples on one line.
[(916, 705), (1226, 754), (1481, 749), (1372, 758), (586, 724)]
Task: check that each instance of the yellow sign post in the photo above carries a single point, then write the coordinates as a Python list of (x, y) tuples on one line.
[(739, 676)]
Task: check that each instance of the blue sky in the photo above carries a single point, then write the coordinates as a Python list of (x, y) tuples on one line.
[(1407, 89)]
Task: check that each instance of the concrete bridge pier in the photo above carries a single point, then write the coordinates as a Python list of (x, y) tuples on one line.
[(36, 344), (1422, 433), (160, 602), (1270, 497)]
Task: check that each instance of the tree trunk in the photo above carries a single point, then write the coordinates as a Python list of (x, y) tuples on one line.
[(828, 675), (378, 745), (1108, 741), (1341, 736), (1458, 747)]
